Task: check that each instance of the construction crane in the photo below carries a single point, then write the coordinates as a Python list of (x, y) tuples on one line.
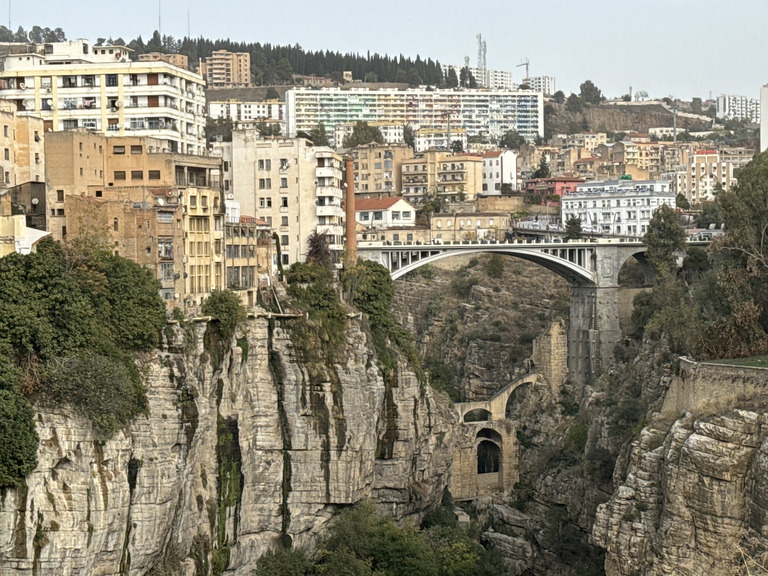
[(527, 64)]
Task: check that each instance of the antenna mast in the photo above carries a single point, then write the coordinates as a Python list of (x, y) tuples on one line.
[(525, 63)]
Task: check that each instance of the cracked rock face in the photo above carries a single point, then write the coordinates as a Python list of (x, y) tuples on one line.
[(242, 448), (693, 499)]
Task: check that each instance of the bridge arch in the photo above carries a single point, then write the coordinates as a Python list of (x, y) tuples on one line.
[(478, 415)]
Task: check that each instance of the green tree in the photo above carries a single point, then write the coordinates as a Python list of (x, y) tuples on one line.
[(363, 133), (318, 135), (457, 147), (408, 136), (268, 129), (590, 93), (218, 129), (543, 170), (318, 250), (226, 307), (18, 448), (512, 140), (272, 94), (664, 238), (696, 106), (495, 266), (559, 97), (573, 228), (709, 213), (574, 104), (466, 79), (451, 80), (283, 563), (682, 202)]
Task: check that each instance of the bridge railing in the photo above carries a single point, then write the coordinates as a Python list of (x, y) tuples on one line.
[(434, 244)]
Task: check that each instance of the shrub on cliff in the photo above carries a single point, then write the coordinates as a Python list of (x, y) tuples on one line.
[(18, 439), (225, 306)]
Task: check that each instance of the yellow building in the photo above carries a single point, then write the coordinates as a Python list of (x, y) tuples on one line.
[(22, 157), (473, 226), (225, 69), (454, 177), (162, 210), (249, 257), (377, 168)]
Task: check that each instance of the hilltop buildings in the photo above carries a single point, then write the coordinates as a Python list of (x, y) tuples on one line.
[(72, 85), (224, 69)]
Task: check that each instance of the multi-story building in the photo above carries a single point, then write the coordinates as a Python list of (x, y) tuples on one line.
[(474, 226), (15, 234), (705, 172), (22, 153), (488, 112), (76, 85), (159, 209), (622, 207), (392, 133), (588, 140), (499, 172), (389, 212), (731, 107), (180, 60), (763, 117), (493, 79), (377, 168), (543, 84), (453, 177), (223, 69), (439, 139), (245, 107), (294, 187)]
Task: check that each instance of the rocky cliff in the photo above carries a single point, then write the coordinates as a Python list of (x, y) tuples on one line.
[(244, 446)]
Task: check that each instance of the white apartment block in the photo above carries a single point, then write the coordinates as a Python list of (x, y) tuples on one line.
[(392, 133), (543, 84), (246, 115), (75, 85), (489, 112), (386, 212), (698, 180), (438, 139), (621, 207), (293, 186), (493, 79), (499, 168), (730, 107)]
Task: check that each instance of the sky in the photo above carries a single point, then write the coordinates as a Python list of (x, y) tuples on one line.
[(677, 48)]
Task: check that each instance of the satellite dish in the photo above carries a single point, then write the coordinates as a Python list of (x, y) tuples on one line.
[(160, 202), (28, 104), (48, 102)]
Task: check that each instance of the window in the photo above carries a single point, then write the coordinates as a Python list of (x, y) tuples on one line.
[(69, 82), (154, 174), (99, 193), (166, 272), (7, 154), (59, 195), (88, 81), (365, 215), (115, 225), (111, 79), (119, 175), (378, 216), (395, 215), (283, 182), (265, 164), (5, 130), (284, 202), (165, 217), (284, 221), (118, 150), (136, 149), (284, 240), (137, 175), (193, 201), (265, 183)]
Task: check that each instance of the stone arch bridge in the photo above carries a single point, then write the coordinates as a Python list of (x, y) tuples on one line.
[(591, 267)]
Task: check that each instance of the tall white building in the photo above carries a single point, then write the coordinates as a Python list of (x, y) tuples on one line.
[(543, 84), (489, 112), (730, 107), (246, 114), (699, 179), (764, 118), (293, 186), (622, 207), (499, 168), (76, 85)]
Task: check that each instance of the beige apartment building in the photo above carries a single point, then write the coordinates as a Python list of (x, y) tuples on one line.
[(159, 209), (471, 226), (700, 178), (22, 157), (294, 187), (74, 85), (224, 69), (455, 177), (377, 168), (248, 257), (180, 60)]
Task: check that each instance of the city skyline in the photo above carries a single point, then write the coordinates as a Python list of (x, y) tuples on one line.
[(665, 49)]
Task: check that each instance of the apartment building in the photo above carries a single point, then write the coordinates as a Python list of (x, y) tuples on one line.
[(439, 139), (489, 112), (621, 207), (392, 133), (248, 255), (76, 85), (705, 171), (159, 209), (22, 157), (294, 187), (493, 79), (474, 226), (453, 177), (731, 107), (180, 60), (499, 172), (543, 84), (223, 69), (377, 168), (588, 140), (388, 212)]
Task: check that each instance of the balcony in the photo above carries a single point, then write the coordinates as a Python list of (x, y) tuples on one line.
[(330, 210), (323, 172), (329, 191)]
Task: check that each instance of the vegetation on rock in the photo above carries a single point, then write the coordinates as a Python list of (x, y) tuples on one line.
[(225, 306)]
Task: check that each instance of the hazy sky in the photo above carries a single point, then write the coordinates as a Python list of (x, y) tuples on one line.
[(680, 48)]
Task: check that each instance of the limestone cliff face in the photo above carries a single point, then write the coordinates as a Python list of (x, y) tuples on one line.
[(693, 501), (244, 446)]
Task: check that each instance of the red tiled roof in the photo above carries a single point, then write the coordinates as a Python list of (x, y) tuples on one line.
[(375, 203)]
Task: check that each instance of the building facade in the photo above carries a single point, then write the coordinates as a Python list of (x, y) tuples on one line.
[(440, 139), (245, 114), (74, 85), (705, 172), (377, 168), (731, 107), (474, 226), (432, 174), (543, 84), (388, 212), (499, 172), (223, 69), (294, 187), (22, 149), (488, 112), (620, 207)]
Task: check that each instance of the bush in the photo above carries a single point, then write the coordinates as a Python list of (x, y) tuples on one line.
[(18, 448), (463, 286), (225, 306), (283, 563), (495, 266)]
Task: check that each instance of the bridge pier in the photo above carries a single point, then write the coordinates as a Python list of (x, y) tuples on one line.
[(593, 331)]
